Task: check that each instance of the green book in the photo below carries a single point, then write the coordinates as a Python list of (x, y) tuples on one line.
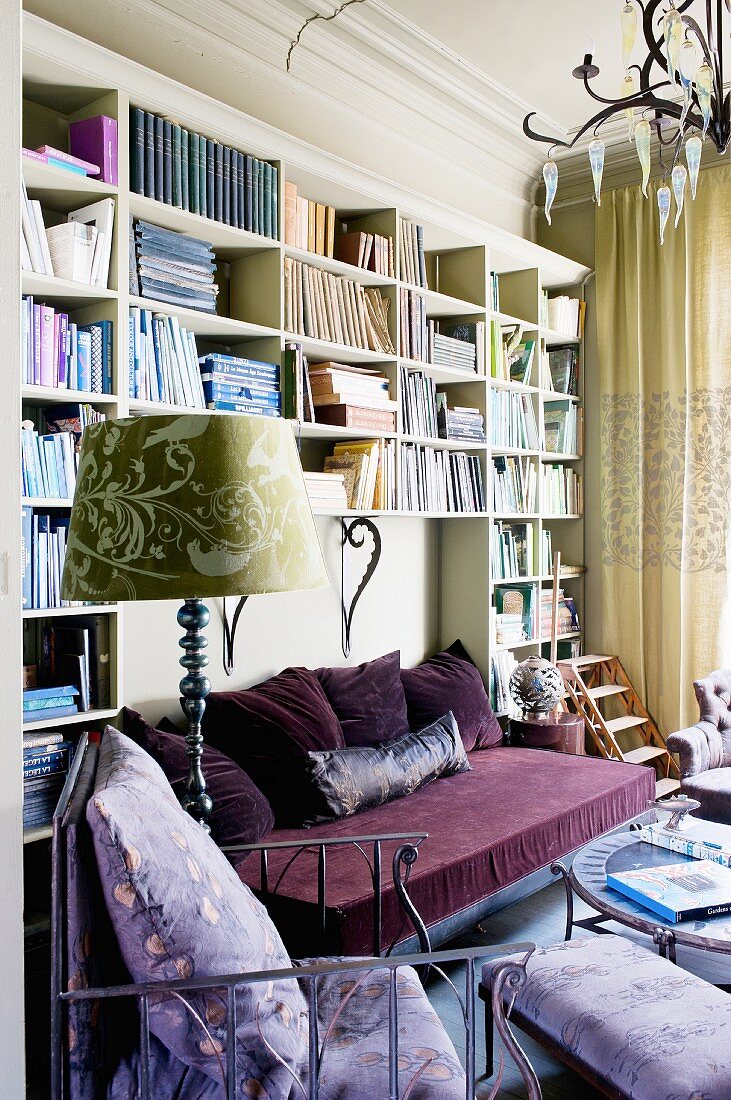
[(177, 167), (275, 203), (256, 222), (194, 175), (202, 168), (262, 206), (267, 227), (184, 181)]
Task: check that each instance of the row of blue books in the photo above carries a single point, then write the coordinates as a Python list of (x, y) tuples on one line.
[(60, 353), (43, 552), (48, 463), (163, 361), (48, 703), (171, 267), (46, 761), (232, 384)]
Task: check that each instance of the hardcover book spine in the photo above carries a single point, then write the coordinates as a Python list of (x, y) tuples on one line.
[(248, 193), (167, 162), (275, 203), (268, 226), (159, 161), (234, 202), (218, 204), (26, 535), (137, 150), (184, 170), (262, 209), (194, 175), (242, 169), (226, 205), (149, 155), (210, 178), (202, 176), (177, 167)]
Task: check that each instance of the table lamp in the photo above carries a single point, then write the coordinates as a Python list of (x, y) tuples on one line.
[(188, 506)]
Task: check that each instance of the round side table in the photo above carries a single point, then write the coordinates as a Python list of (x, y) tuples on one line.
[(562, 734)]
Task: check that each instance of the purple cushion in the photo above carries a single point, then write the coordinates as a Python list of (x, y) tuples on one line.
[(450, 681), (241, 813), (179, 911), (369, 700), (269, 729)]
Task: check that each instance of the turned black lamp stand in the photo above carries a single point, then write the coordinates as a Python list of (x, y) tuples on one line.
[(194, 687)]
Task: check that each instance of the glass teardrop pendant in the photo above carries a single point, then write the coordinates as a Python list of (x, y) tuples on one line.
[(550, 178), (596, 159), (627, 89), (663, 206), (672, 37), (628, 22), (703, 87), (693, 149), (642, 144), (679, 177)]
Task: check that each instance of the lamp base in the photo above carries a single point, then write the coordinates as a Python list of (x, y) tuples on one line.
[(193, 616)]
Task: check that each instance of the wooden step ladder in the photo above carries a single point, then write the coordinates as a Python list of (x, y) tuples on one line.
[(591, 679)]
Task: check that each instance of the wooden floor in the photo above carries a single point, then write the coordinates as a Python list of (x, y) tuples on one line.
[(540, 919)]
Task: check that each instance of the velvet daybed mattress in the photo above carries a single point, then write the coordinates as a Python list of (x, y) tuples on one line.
[(515, 812)]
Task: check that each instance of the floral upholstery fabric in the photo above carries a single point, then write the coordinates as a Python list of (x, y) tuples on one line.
[(179, 910), (644, 1026)]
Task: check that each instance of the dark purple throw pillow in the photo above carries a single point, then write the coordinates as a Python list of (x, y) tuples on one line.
[(369, 700), (269, 729), (450, 681), (241, 813)]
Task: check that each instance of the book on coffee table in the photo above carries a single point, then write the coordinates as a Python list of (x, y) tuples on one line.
[(698, 838), (679, 891)]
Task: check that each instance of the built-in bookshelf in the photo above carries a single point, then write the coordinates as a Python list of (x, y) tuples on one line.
[(453, 274)]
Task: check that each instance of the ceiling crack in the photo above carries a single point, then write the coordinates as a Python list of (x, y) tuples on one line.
[(312, 19)]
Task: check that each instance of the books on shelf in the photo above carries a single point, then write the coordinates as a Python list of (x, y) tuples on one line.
[(334, 308), (440, 481), (514, 485), (326, 491), (545, 553), (368, 468), (75, 651), (512, 354), (233, 384), (95, 139), (514, 613), (308, 224), (48, 463), (412, 260), (563, 491), (61, 159), (459, 346), (78, 249), (513, 421), (511, 550), (43, 552), (46, 761), (296, 388), (62, 354), (502, 664), (568, 616), (687, 890), (563, 314), (414, 327), (163, 360), (172, 267), (561, 370), (183, 168), (50, 702), (371, 251), (351, 396), (563, 428), (699, 839), (463, 422), (495, 291), (418, 404)]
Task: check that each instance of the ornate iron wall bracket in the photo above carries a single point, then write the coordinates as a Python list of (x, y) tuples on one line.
[(229, 633), (351, 538)]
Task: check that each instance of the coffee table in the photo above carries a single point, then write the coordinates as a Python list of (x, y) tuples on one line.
[(587, 879)]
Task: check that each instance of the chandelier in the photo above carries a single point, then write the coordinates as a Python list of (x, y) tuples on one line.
[(683, 107)]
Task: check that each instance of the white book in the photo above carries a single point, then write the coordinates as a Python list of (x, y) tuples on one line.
[(30, 233), (72, 250), (37, 215), (26, 262), (101, 216), (98, 249)]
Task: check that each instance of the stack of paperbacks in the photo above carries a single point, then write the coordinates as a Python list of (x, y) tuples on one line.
[(352, 397), (368, 467)]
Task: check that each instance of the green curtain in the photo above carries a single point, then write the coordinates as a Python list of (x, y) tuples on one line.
[(664, 339)]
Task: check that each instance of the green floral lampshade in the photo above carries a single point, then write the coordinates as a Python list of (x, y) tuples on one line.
[(189, 506)]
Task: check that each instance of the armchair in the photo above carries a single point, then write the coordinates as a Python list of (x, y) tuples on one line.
[(705, 748)]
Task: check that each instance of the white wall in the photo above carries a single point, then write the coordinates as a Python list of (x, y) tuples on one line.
[(11, 846)]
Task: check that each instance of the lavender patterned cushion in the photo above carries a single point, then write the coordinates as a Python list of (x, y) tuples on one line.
[(643, 1025), (353, 1032), (179, 910)]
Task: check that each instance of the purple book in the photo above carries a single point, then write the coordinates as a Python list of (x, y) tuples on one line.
[(31, 154), (95, 139)]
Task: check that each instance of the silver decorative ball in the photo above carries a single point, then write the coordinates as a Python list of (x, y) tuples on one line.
[(536, 686)]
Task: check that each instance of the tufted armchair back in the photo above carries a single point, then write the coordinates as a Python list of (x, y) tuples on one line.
[(714, 699), (707, 745)]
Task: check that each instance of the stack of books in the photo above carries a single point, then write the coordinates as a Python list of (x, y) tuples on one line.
[(412, 261), (414, 327), (440, 481), (511, 550), (568, 616), (502, 664), (233, 384), (512, 355), (699, 839), (563, 491), (563, 314), (371, 251), (514, 485), (683, 890), (418, 404), (57, 158), (323, 306), (563, 428), (459, 347), (78, 249), (95, 139), (514, 613), (58, 352), (561, 371), (308, 225), (75, 650), (368, 468), (48, 463), (185, 169), (173, 268), (163, 360), (513, 421), (48, 703), (46, 761), (326, 491), (463, 422), (43, 552), (351, 397)]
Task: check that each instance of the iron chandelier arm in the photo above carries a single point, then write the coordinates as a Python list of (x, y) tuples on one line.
[(634, 100)]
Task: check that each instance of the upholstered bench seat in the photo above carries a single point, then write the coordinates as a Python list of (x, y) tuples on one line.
[(713, 790), (632, 1023)]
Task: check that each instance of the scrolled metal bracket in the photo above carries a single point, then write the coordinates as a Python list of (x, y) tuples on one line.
[(353, 539), (229, 633)]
